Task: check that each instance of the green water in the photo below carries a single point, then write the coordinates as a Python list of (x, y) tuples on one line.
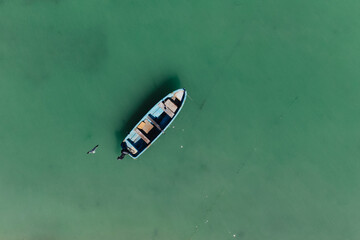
[(267, 147)]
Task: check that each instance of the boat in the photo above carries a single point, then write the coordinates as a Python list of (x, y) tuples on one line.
[(153, 124)]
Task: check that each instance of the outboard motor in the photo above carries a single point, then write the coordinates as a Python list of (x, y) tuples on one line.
[(124, 152)]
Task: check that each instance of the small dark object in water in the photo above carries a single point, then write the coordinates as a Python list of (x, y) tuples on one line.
[(93, 150)]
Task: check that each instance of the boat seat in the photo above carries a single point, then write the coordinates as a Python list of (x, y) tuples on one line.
[(166, 110), (169, 104), (143, 137), (146, 126), (152, 120), (130, 147)]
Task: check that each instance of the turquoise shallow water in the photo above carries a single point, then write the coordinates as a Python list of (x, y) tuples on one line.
[(269, 135)]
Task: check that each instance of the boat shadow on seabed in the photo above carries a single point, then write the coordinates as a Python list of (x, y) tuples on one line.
[(161, 88)]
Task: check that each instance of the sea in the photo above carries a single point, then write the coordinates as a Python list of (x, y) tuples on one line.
[(267, 145)]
